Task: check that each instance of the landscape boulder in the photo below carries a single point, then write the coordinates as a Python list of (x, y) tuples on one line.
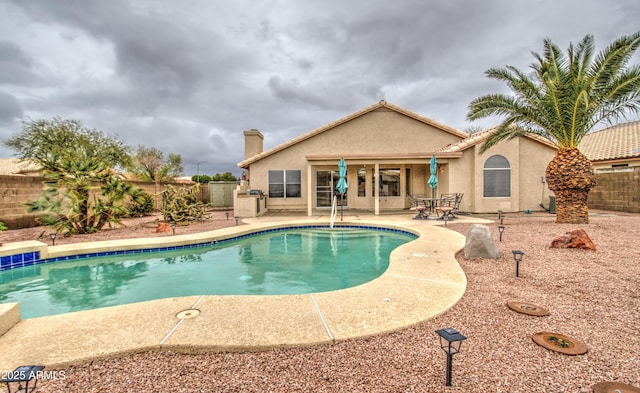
[(577, 238), (163, 227), (480, 244)]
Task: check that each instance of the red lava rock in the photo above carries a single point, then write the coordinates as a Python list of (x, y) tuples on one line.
[(577, 238), (163, 227)]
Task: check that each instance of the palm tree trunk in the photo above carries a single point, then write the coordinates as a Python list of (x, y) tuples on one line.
[(570, 176)]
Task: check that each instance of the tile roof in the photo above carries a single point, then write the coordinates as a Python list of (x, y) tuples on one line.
[(479, 137), (17, 166), (345, 119), (612, 143)]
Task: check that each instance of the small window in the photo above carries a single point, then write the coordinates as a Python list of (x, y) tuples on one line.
[(496, 177), (285, 184)]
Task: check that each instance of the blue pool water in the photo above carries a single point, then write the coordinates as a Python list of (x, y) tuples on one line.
[(291, 261)]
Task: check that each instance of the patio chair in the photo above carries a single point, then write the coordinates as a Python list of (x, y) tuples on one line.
[(448, 206), (420, 207)]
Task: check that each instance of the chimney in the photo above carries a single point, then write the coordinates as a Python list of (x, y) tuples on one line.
[(252, 143)]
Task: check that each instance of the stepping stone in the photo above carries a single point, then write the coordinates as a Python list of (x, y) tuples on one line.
[(528, 308), (614, 387), (560, 343)]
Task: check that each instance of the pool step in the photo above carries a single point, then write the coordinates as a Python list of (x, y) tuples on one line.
[(9, 316)]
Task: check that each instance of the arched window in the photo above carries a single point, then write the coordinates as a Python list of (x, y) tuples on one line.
[(496, 177)]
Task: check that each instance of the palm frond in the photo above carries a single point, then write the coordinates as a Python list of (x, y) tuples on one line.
[(567, 95)]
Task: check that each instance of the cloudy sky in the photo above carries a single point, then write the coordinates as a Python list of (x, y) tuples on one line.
[(188, 77)]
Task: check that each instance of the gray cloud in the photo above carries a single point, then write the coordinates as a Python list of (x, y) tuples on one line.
[(188, 78)]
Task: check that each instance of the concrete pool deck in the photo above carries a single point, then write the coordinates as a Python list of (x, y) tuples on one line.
[(423, 280)]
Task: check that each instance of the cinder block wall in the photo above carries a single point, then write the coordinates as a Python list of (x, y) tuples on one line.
[(16, 190), (618, 191)]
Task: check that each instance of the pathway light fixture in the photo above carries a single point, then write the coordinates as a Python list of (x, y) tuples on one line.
[(517, 256), (227, 214), (500, 229), (173, 228), (53, 235), (450, 342), (237, 218)]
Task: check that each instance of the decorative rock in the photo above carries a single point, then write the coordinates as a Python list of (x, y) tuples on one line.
[(163, 227), (479, 243), (577, 238)]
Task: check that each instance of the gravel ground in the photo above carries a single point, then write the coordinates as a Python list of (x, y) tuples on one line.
[(593, 296)]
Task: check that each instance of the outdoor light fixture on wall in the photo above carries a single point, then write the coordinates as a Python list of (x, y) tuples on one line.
[(53, 238), (450, 342), (517, 256)]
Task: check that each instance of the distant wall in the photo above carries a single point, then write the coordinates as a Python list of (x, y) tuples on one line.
[(618, 191), (16, 190)]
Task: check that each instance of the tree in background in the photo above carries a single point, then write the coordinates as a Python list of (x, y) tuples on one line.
[(82, 191), (564, 99), (149, 164), (202, 179), (227, 176)]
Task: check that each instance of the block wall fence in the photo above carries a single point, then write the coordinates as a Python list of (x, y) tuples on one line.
[(16, 190), (617, 191)]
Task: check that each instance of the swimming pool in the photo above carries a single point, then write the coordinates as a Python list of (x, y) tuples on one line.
[(282, 261)]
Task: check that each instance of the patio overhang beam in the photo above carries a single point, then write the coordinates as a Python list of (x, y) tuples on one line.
[(416, 157)]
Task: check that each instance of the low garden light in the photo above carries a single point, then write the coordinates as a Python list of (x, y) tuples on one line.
[(227, 214), (500, 229), (517, 256), (237, 219), (173, 228), (450, 342), (53, 235)]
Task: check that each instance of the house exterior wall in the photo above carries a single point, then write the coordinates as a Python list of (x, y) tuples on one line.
[(534, 158), (528, 160), (382, 131)]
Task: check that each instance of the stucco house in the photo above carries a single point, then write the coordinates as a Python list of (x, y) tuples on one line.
[(387, 150)]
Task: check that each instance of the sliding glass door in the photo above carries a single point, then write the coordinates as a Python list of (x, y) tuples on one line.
[(326, 182)]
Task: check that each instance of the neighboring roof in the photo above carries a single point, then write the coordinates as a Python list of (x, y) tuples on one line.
[(480, 137), (17, 166), (621, 141), (383, 103)]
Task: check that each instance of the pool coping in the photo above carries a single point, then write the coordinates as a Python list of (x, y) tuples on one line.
[(423, 280)]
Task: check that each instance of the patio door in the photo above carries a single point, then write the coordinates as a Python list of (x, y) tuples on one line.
[(326, 182)]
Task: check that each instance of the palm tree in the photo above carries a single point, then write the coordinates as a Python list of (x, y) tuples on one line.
[(562, 100)]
